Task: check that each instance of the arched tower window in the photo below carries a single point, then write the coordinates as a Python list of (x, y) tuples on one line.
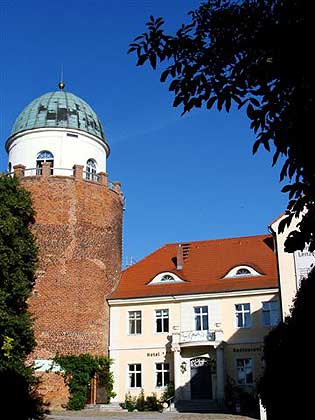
[(44, 156), (91, 170)]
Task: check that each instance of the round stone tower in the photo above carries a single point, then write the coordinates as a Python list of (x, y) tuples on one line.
[(58, 150)]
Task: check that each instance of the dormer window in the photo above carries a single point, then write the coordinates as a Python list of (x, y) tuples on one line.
[(166, 278), (242, 271)]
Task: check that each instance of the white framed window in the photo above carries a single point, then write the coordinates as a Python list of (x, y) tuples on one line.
[(135, 375), (244, 369), (201, 318), (91, 170), (161, 320), (135, 320), (162, 374), (44, 156), (270, 313), (243, 316)]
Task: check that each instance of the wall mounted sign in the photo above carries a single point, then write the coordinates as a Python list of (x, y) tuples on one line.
[(199, 362), (158, 353), (304, 262)]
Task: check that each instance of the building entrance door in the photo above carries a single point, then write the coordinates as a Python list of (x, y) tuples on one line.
[(200, 383)]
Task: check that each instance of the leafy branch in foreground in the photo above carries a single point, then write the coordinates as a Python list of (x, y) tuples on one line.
[(282, 346), (255, 54)]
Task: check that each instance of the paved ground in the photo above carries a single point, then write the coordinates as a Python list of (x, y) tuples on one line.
[(97, 415)]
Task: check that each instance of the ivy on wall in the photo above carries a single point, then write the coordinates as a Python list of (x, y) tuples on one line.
[(78, 372)]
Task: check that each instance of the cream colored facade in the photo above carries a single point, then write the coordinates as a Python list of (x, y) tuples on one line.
[(291, 266), (286, 267), (177, 354)]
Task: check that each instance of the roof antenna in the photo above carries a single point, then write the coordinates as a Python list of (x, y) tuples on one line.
[(61, 84)]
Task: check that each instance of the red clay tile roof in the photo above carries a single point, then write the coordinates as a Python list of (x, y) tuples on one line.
[(205, 266)]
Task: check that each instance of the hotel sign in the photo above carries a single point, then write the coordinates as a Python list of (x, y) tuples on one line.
[(304, 262)]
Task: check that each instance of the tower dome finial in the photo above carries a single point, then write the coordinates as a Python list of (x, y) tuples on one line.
[(61, 84)]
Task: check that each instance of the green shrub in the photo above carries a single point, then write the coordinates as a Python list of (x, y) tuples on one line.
[(248, 401), (129, 403), (169, 392), (78, 372), (140, 402), (152, 403)]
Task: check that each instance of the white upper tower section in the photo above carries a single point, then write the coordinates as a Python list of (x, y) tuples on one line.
[(60, 128)]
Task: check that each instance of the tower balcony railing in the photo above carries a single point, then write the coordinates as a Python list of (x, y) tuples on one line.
[(53, 171), (77, 172), (91, 176)]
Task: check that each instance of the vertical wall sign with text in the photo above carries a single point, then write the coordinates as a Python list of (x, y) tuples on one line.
[(304, 262)]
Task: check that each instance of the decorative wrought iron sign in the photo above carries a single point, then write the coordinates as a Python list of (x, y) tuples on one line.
[(200, 362)]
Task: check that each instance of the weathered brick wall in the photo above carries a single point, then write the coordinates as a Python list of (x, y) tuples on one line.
[(53, 390), (79, 234)]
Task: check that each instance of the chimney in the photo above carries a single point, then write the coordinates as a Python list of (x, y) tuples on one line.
[(180, 258)]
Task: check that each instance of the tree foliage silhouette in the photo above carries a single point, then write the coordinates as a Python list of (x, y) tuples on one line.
[(18, 255), (252, 53), (284, 388)]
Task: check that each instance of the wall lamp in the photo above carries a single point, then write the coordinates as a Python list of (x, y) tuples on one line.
[(183, 367)]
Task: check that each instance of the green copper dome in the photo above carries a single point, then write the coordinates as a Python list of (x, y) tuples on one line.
[(59, 110)]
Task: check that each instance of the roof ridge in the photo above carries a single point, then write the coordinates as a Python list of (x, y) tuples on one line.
[(221, 239)]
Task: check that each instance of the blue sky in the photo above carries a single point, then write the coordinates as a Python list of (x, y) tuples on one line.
[(185, 178)]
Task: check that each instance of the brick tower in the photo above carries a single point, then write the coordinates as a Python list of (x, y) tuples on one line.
[(58, 150)]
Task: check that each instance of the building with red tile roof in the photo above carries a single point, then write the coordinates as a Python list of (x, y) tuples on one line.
[(195, 314)]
